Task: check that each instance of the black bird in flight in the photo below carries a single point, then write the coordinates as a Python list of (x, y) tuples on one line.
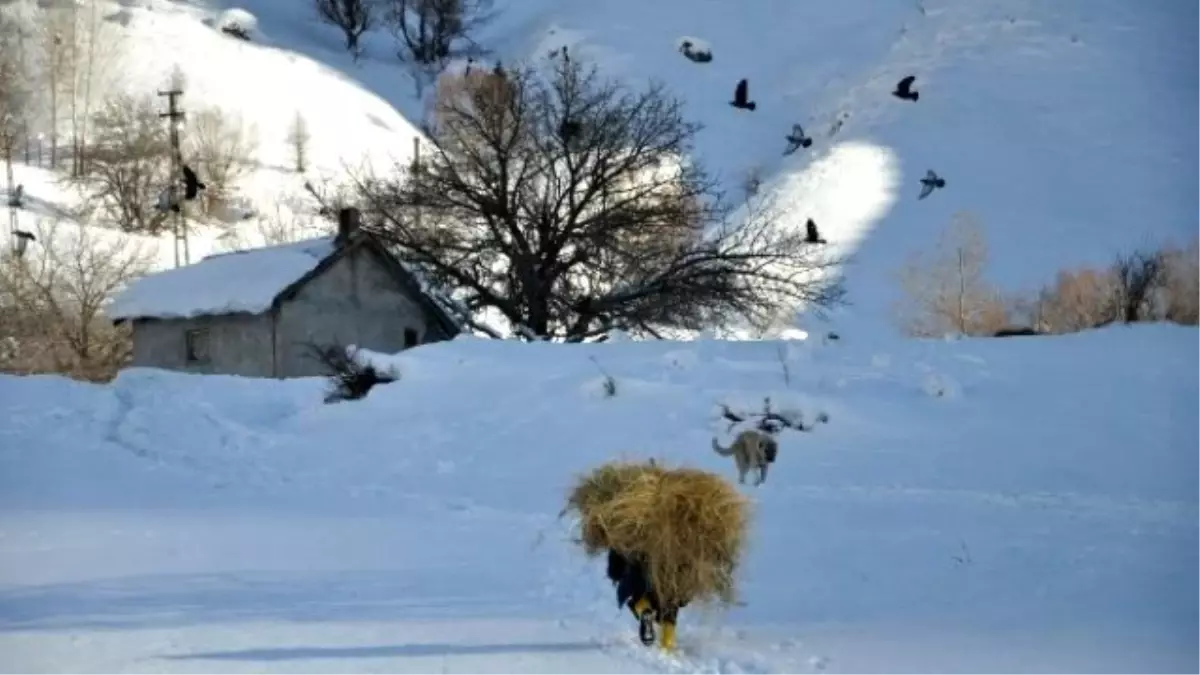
[(904, 89), (797, 140), (931, 182), (740, 96)]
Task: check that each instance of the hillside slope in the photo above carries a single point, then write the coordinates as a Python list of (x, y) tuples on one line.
[(999, 505), (1066, 128)]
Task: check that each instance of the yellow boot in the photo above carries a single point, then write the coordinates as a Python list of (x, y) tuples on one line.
[(645, 616), (666, 635), (641, 606)]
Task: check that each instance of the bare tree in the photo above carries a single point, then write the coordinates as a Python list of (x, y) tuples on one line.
[(80, 52), (52, 301), (354, 17), (298, 138), (55, 71), (1139, 276), (222, 148), (128, 165), (565, 203), (429, 33), (16, 94), (946, 292)]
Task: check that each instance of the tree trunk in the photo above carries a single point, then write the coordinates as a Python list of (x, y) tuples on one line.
[(962, 294)]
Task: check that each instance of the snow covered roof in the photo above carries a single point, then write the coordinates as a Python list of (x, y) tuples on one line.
[(226, 283)]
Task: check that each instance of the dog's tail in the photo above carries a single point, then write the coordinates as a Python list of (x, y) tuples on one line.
[(724, 452)]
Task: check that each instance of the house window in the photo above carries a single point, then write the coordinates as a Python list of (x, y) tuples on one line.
[(195, 345), (410, 338)]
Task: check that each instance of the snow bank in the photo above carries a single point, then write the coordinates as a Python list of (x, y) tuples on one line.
[(1045, 517)]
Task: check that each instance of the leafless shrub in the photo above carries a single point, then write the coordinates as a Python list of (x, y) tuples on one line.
[(52, 301), (222, 148), (350, 379), (610, 383), (1181, 301), (1081, 299), (945, 292), (127, 164)]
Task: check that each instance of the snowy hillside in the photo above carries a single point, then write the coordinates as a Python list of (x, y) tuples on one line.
[(1065, 127), (983, 505), (1024, 504)]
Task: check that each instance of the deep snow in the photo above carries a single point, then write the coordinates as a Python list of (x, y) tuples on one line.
[(980, 505), (1016, 505)]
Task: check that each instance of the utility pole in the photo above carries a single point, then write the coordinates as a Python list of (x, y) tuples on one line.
[(174, 114), (416, 167), (11, 186)]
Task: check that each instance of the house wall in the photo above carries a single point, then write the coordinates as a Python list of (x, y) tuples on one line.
[(238, 344), (356, 301)]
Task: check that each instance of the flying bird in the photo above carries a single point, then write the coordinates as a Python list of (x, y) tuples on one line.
[(191, 183), (797, 140), (741, 96), (904, 89), (930, 182), (811, 234)]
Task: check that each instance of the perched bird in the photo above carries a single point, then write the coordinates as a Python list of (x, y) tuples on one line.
[(569, 129), (191, 183), (904, 89), (811, 234), (930, 182), (741, 96), (797, 140)]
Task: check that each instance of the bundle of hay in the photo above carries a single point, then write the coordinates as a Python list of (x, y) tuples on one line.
[(688, 525)]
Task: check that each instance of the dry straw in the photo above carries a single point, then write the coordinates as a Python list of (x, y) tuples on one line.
[(689, 525)]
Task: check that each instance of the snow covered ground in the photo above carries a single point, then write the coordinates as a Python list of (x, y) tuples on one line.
[(981, 505), (1003, 505)]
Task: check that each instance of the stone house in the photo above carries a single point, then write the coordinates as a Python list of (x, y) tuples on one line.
[(260, 312)]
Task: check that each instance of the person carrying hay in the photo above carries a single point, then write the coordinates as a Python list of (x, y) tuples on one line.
[(628, 574), (672, 536)]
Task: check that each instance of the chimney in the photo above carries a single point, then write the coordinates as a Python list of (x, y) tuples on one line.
[(348, 220)]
